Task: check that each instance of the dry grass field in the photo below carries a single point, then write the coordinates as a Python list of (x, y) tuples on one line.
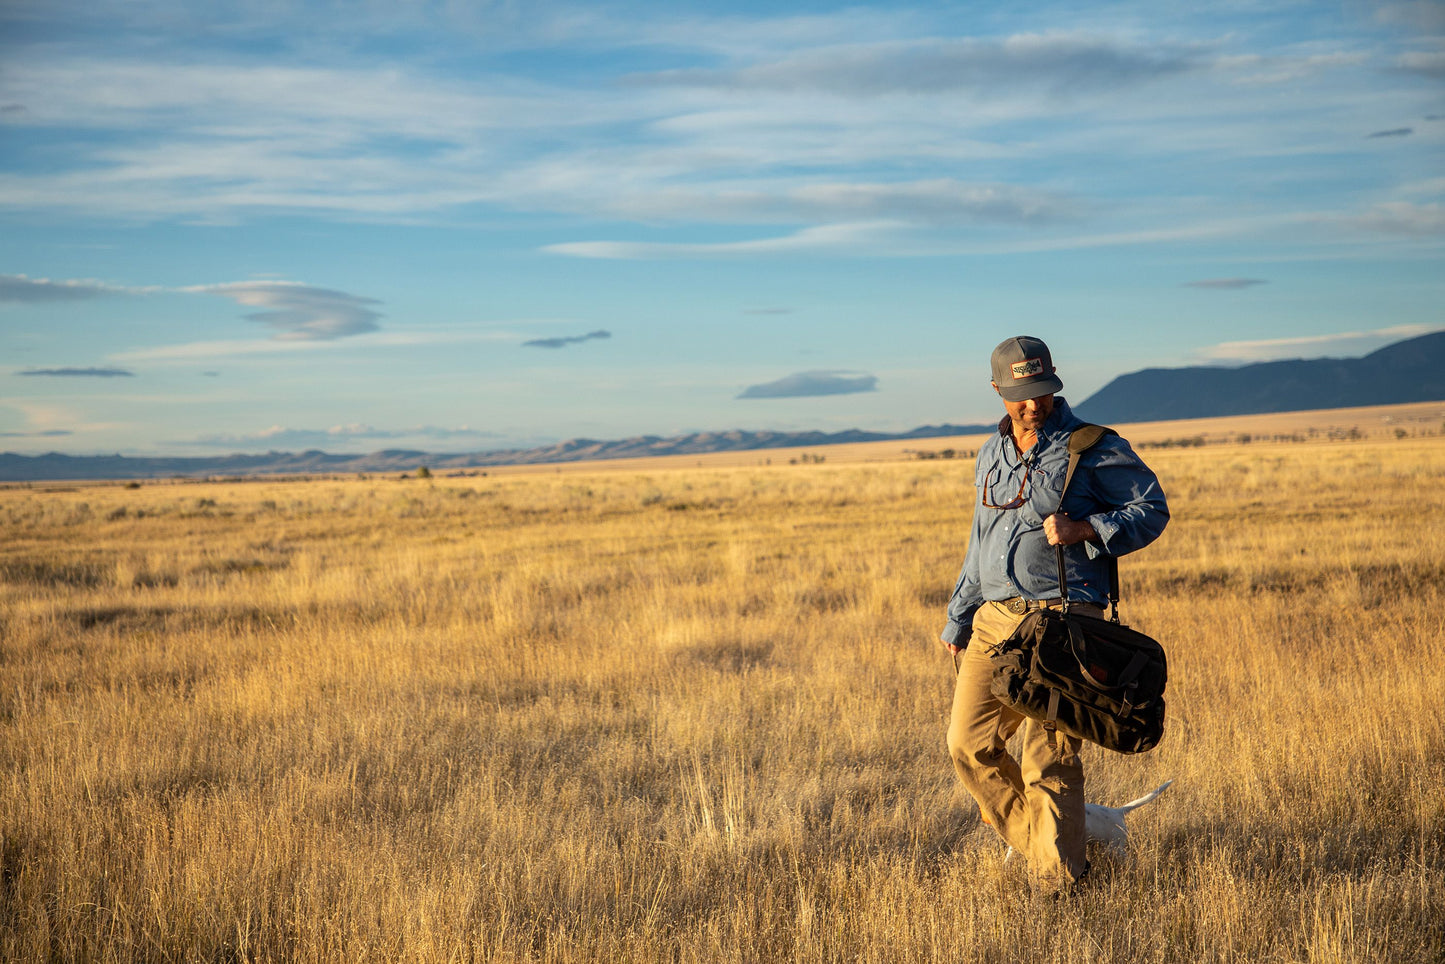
[(696, 715)]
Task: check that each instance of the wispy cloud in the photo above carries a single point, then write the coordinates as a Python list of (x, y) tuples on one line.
[(565, 341), (901, 239), (226, 140), (297, 312), (1059, 64), (829, 237), (219, 140), (813, 122), (808, 384), (44, 420), (1225, 284), (1396, 132), (1267, 349), (942, 200), (386, 338), (1428, 63), (223, 348), (935, 202), (80, 372), (1404, 218), (19, 288), (1254, 70), (1423, 16), (300, 312)]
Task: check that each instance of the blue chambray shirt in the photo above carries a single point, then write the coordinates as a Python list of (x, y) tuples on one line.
[(1008, 554)]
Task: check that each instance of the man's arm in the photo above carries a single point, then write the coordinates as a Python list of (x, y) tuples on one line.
[(1134, 511), (967, 597)]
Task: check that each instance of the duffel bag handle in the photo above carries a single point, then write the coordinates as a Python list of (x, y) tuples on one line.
[(1080, 650), (1063, 579)]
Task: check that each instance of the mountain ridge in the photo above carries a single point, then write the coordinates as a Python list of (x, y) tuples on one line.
[(57, 466), (1412, 370)]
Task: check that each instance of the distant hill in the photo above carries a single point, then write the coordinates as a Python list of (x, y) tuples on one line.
[(1407, 371), (55, 466)]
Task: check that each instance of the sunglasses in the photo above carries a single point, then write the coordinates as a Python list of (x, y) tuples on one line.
[(1017, 500)]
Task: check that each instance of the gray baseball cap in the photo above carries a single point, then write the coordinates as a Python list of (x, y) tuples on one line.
[(1023, 369)]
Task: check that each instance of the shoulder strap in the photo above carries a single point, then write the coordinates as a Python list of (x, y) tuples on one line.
[(1082, 439)]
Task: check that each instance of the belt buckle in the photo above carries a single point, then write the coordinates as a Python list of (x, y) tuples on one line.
[(1017, 605)]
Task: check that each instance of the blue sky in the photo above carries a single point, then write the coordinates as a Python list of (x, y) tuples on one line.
[(253, 225)]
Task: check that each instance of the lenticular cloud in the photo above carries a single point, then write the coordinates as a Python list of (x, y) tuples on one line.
[(300, 312), (569, 340), (806, 384)]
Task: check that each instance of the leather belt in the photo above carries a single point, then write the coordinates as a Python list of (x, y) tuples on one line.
[(1018, 605)]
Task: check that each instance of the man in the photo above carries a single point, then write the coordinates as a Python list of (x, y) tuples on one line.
[(1114, 506)]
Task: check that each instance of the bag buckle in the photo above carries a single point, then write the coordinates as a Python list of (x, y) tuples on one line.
[(1051, 720), (1129, 692)]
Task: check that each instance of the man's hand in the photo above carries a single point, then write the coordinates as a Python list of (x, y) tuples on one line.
[(1060, 530)]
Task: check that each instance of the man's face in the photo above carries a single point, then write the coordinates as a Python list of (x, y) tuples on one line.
[(1030, 414)]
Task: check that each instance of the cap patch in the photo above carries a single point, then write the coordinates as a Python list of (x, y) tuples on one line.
[(1027, 368)]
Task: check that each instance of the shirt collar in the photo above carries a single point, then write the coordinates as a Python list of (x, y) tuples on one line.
[(1060, 421)]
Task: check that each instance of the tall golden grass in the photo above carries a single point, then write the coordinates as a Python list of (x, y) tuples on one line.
[(696, 715)]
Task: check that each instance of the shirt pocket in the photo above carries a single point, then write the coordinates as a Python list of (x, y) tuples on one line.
[(1043, 496)]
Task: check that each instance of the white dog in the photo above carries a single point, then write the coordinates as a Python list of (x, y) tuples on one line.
[(1105, 825)]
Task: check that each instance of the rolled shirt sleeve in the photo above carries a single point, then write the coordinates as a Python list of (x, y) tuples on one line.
[(1117, 478)]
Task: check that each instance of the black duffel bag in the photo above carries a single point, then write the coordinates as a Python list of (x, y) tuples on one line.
[(1092, 678), (1089, 677)]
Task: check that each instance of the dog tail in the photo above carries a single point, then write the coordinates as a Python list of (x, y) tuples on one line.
[(1146, 798)]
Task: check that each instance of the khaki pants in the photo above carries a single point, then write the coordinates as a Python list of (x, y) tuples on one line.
[(1036, 803)]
